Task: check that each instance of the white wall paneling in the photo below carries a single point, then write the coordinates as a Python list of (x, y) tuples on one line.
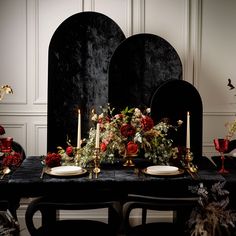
[(202, 32), (49, 15), (138, 16), (119, 11), (13, 49), (15, 129), (167, 18), (216, 65), (40, 131)]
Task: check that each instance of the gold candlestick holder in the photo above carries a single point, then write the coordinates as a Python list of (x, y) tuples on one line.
[(77, 156), (96, 169), (188, 160)]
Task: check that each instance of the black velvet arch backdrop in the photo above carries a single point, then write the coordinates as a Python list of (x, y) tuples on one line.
[(91, 63), (138, 66), (79, 55), (172, 100)]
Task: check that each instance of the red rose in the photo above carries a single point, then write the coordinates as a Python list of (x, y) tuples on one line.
[(53, 159), (127, 130), (69, 150), (12, 160), (2, 130), (103, 147), (147, 123), (132, 148)]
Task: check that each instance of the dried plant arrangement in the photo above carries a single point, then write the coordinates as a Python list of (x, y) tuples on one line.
[(212, 216)]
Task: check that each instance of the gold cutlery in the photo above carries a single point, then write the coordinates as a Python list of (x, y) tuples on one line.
[(5, 171), (42, 173)]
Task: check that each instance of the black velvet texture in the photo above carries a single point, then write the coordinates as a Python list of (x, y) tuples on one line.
[(91, 63), (172, 100), (139, 65), (79, 55), (26, 181)]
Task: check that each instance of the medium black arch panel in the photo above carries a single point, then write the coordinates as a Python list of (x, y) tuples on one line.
[(138, 66)]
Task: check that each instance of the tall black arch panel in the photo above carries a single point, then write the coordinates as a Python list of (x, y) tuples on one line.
[(79, 55), (172, 100), (139, 65)]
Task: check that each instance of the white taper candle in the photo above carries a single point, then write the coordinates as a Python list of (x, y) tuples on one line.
[(97, 136), (79, 130), (188, 131)]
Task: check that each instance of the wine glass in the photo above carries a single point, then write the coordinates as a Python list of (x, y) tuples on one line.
[(221, 145), (6, 144)]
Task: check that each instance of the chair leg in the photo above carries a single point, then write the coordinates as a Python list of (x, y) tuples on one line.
[(115, 216), (13, 206), (49, 216), (180, 218), (144, 216)]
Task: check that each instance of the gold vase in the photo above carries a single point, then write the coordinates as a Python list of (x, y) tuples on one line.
[(129, 160)]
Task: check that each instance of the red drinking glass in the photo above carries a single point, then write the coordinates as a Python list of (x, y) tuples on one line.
[(6, 144), (221, 145)]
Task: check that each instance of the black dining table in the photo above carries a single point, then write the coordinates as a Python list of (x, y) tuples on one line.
[(121, 181), (113, 182)]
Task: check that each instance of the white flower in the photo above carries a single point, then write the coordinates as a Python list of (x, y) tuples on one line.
[(5, 89)]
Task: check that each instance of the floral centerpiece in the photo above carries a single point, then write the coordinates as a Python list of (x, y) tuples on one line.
[(130, 132)]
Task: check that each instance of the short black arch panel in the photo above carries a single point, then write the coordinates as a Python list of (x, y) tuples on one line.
[(172, 100)]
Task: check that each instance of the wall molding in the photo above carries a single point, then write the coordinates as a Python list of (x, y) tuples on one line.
[(23, 113), (138, 16), (37, 128), (219, 114), (188, 57), (196, 39), (88, 5), (22, 126), (129, 17), (37, 99)]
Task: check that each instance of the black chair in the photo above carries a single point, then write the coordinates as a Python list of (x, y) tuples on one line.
[(10, 204), (18, 148), (52, 224), (175, 204)]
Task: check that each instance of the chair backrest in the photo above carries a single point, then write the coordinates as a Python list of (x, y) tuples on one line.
[(51, 222), (18, 148), (79, 55), (179, 205)]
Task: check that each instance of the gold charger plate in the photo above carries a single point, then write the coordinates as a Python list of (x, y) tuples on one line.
[(82, 172), (178, 172)]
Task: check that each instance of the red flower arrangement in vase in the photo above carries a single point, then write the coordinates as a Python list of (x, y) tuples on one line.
[(129, 134)]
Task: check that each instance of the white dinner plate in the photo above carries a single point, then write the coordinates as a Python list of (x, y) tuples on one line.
[(66, 170), (159, 169)]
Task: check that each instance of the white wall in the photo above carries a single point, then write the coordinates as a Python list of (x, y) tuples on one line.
[(202, 31)]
